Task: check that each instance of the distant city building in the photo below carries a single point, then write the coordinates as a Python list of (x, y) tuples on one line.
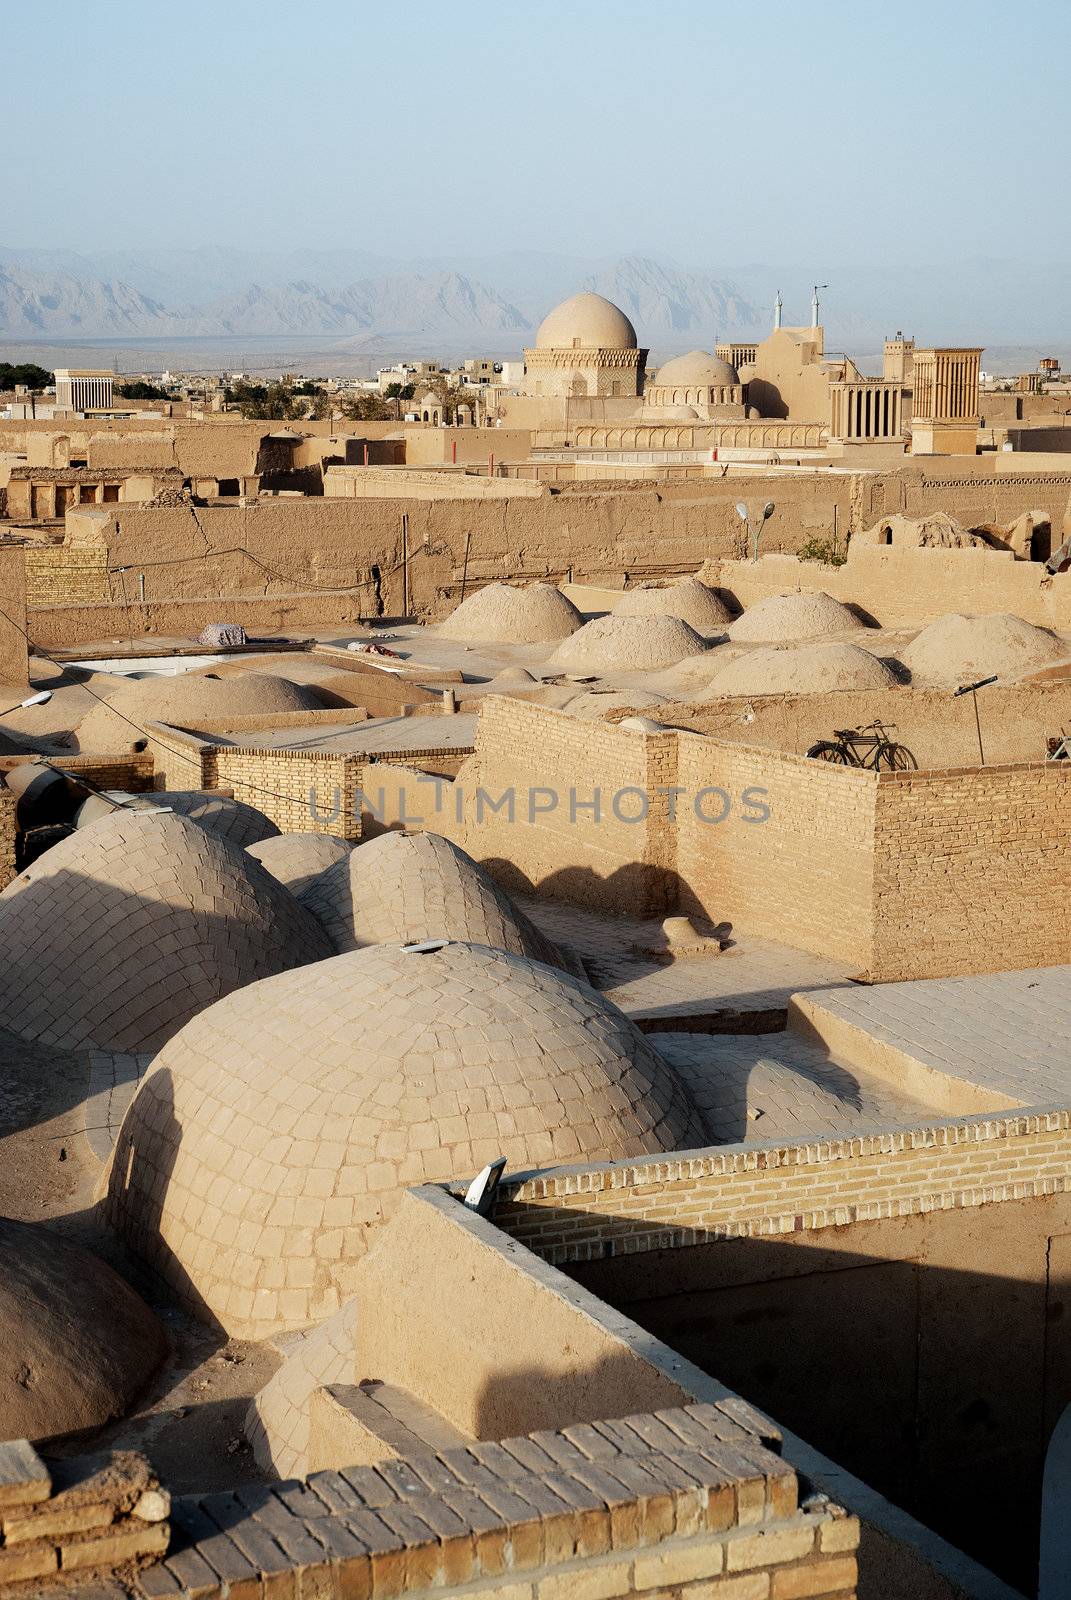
[(83, 389)]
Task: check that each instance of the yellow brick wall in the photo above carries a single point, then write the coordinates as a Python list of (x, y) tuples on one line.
[(763, 1192), (804, 875), (610, 863), (59, 575), (972, 870)]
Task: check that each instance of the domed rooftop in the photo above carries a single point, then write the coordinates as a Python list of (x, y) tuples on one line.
[(295, 859), (501, 613), (402, 888), (274, 1134), (119, 933), (957, 649), (185, 700), (688, 600), (699, 369), (587, 322), (801, 669), (240, 824), (783, 617), (76, 1343), (627, 644)]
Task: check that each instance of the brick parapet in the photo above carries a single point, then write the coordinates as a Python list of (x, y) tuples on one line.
[(661, 1504), (590, 1212)]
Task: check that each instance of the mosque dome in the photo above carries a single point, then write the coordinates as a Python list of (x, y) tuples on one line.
[(78, 1344), (698, 369), (401, 888), (118, 934), (277, 1131), (586, 322)]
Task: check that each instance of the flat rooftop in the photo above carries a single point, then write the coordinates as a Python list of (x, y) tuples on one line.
[(381, 736)]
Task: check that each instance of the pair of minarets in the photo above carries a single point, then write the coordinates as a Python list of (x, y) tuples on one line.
[(779, 306)]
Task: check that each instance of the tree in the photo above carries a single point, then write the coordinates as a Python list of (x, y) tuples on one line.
[(29, 373), (273, 402), (361, 407), (400, 391), (138, 389)]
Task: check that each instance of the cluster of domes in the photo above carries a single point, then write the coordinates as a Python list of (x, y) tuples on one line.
[(279, 1128)]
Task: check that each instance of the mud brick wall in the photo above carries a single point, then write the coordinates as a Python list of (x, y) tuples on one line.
[(70, 1521), (556, 768), (589, 1213), (804, 875), (972, 870)]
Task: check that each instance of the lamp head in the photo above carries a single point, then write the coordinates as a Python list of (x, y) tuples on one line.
[(767, 511), (741, 510)]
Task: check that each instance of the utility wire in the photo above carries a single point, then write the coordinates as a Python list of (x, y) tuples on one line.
[(190, 760)]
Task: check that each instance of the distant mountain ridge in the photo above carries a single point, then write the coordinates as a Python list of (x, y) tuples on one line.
[(54, 296), (363, 295)]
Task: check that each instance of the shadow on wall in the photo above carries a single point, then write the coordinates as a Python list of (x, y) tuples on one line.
[(937, 1385), (639, 889)]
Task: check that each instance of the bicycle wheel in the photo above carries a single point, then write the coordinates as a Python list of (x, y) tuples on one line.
[(895, 758), (826, 750)]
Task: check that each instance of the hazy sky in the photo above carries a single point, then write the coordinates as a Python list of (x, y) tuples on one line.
[(710, 131)]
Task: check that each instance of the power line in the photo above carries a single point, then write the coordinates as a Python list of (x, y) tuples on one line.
[(190, 760)]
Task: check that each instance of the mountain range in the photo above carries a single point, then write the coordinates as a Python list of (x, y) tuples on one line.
[(352, 295)]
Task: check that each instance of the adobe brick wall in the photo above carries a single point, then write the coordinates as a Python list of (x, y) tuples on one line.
[(543, 756), (940, 732), (900, 586), (68, 1522), (588, 1213), (676, 1505), (803, 876), (972, 870)]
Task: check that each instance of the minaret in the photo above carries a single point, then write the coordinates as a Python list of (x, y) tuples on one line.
[(814, 306), (777, 311)]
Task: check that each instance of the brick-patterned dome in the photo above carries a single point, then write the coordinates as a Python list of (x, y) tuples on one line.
[(233, 820), (118, 934), (401, 888), (277, 1131), (586, 321), (295, 859)]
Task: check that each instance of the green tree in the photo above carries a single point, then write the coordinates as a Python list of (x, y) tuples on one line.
[(361, 407), (28, 372), (272, 402), (138, 389)]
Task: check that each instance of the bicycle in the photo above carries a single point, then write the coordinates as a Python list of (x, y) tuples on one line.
[(868, 747)]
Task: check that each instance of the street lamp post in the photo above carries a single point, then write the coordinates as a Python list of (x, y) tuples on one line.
[(754, 530)]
